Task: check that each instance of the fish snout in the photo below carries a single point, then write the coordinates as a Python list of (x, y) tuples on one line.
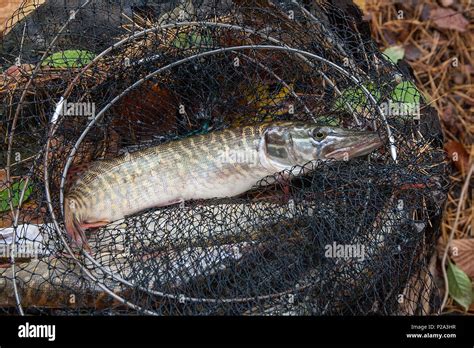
[(351, 145)]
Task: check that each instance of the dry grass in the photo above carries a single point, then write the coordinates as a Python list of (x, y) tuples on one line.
[(442, 62), (9, 15)]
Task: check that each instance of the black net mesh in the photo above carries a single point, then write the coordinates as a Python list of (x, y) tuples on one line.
[(90, 80)]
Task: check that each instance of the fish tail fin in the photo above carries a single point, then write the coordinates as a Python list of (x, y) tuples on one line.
[(73, 227)]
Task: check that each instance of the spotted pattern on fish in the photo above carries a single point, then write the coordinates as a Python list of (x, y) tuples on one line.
[(219, 164)]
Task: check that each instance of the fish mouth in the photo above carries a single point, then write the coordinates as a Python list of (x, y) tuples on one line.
[(355, 147)]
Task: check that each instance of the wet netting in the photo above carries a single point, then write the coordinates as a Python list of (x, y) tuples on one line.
[(85, 81)]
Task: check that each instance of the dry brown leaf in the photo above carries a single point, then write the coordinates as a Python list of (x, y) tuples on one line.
[(3, 177), (462, 252), (140, 107), (412, 52), (458, 154), (29, 214), (449, 118), (458, 78), (447, 18), (425, 12)]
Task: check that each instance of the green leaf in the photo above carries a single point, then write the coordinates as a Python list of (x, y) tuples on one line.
[(191, 40), (460, 286), (356, 98), (395, 53), (69, 59), (406, 92), (16, 189), (327, 121)]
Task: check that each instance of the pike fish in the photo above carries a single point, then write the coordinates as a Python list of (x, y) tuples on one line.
[(215, 165)]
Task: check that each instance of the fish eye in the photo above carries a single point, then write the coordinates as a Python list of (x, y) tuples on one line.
[(318, 134)]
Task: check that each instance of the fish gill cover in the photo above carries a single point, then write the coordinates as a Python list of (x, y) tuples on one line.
[(87, 84)]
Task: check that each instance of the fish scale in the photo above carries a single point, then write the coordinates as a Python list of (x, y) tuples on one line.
[(214, 165)]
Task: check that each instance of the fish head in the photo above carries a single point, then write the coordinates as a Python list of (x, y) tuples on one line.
[(292, 144)]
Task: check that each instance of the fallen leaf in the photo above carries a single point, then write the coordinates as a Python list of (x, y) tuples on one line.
[(449, 118), (467, 69), (16, 189), (29, 214), (458, 154), (267, 97), (406, 92), (389, 36), (395, 53), (412, 52), (355, 98), (69, 59), (192, 40), (462, 252), (460, 286), (447, 18), (15, 71), (139, 109), (458, 78), (425, 12)]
